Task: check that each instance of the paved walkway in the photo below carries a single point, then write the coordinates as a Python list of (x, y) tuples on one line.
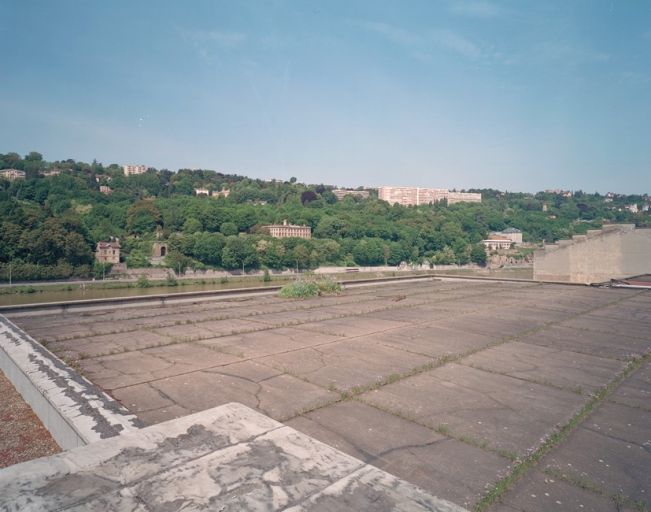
[(456, 386)]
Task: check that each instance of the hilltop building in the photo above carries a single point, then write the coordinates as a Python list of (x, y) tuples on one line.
[(497, 242), (340, 193), (211, 193), (108, 252), (408, 196), (51, 172), (286, 230), (130, 170), (105, 189), (463, 197), (513, 234), (12, 174), (559, 192)]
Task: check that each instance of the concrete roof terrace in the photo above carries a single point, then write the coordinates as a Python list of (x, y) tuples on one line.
[(504, 395)]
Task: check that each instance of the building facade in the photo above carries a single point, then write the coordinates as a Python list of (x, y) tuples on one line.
[(495, 243), (414, 196), (130, 170), (286, 230), (12, 174), (463, 197), (513, 234), (108, 252)]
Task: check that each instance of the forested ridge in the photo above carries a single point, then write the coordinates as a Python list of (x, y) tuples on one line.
[(50, 224)]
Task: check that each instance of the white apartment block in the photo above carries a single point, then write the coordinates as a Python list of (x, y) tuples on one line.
[(463, 197), (130, 170), (408, 196)]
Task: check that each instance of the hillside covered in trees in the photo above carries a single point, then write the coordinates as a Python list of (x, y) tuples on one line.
[(51, 221)]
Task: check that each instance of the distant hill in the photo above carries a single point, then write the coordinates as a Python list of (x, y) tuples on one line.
[(51, 220)]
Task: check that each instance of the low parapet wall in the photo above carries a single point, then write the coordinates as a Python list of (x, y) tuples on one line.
[(75, 411)]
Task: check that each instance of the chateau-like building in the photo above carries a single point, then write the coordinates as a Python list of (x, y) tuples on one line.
[(286, 230)]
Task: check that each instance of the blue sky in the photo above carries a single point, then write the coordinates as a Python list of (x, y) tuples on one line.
[(515, 95)]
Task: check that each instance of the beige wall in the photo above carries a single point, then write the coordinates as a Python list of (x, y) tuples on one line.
[(615, 252)]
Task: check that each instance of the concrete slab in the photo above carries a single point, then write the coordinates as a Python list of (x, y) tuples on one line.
[(636, 390), (488, 408), (184, 332), (540, 493), (347, 364), (594, 322), (353, 326), (231, 326), (414, 314), (229, 458), (267, 342), (300, 316), (610, 452), (600, 344), (108, 344), (431, 340), (577, 372), (440, 465), (121, 370), (279, 395), (489, 324)]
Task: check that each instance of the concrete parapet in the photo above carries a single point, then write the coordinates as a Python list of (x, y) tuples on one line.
[(614, 252), (75, 411), (226, 458)]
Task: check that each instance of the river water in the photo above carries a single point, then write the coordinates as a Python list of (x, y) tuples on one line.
[(98, 293)]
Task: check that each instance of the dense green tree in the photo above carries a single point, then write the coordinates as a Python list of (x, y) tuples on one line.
[(239, 252), (143, 217), (208, 248), (228, 229), (478, 254)]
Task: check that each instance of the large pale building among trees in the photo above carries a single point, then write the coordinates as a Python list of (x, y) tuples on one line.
[(130, 170), (413, 196), (286, 230)]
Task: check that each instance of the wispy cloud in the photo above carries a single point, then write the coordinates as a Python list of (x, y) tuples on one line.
[(476, 9), (219, 37), (393, 34), (570, 53), (422, 44), (457, 43)]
